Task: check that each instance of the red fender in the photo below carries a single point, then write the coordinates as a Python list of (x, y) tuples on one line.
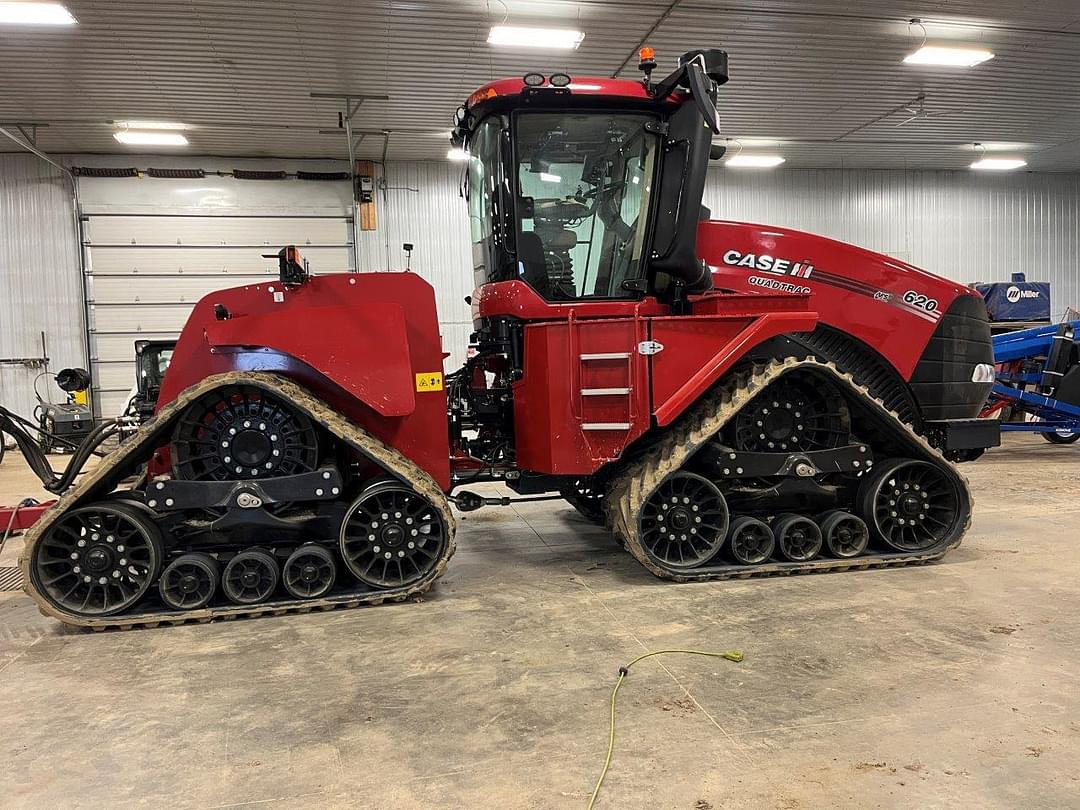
[(366, 343)]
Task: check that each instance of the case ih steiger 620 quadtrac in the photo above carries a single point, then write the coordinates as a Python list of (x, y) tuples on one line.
[(732, 399)]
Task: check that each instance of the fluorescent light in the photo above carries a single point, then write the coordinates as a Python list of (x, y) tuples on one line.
[(527, 37), (948, 57), (35, 14), (133, 138), (156, 125), (999, 164), (457, 154), (754, 161), (548, 177)]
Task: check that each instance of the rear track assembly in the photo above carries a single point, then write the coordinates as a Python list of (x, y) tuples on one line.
[(154, 585)]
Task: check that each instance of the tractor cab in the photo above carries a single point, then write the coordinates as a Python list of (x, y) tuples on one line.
[(590, 189)]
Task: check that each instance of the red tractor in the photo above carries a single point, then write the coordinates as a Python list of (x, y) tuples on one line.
[(731, 399)]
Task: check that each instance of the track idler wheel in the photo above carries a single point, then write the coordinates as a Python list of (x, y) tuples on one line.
[(911, 505), (189, 582), (798, 537), (309, 572), (250, 577), (392, 536), (845, 534), (751, 541), (97, 560), (684, 521)]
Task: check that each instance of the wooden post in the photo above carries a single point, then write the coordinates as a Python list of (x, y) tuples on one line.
[(365, 193)]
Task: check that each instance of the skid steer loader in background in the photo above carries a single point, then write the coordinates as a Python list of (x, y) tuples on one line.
[(731, 399)]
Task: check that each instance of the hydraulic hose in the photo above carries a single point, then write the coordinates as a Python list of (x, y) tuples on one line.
[(16, 426)]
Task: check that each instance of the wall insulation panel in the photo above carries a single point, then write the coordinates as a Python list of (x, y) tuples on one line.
[(40, 283), (965, 226)]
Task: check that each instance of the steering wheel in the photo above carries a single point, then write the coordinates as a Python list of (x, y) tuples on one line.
[(595, 192)]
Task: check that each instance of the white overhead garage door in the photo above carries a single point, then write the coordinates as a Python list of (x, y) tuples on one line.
[(147, 271)]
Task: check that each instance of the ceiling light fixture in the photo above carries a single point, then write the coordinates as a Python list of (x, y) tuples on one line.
[(566, 39), (132, 137), (548, 177), (999, 164), (457, 154), (35, 14), (742, 161), (946, 56), (151, 125)]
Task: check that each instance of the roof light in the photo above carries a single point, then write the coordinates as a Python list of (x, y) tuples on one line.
[(457, 154), (548, 177), (35, 14), (135, 138), (999, 164), (154, 125), (527, 37), (944, 56), (754, 161)]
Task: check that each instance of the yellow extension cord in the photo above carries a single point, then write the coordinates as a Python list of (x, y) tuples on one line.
[(730, 655)]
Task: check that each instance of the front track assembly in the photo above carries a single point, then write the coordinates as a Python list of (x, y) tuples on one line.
[(717, 496), (106, 556)]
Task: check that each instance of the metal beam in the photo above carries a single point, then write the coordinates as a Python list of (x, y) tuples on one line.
[(659, 21), (29, 147), (352, 103)]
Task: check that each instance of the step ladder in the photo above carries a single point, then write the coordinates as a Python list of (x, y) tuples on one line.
[(621, 392)]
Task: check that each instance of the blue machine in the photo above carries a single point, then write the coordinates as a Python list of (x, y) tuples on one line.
[(1017, 300), (1038, 374)]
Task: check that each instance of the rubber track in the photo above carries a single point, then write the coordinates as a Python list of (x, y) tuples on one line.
[(103, 479), (704, 420)]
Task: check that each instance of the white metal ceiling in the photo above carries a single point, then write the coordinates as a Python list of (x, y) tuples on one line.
[(823, 77)]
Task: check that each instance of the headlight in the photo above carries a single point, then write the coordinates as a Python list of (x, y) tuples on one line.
[(983, 373)]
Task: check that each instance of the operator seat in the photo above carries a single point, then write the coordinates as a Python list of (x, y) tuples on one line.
[(530, 254)]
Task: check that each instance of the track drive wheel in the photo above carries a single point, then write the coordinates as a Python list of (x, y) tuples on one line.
[(190, 581), (250, 577), (684, 521), (97, 560), (242, 432), (791, 414), (798, 537), (586, 498), (392, 536), (309, 572), (846, 535), (911, 505)]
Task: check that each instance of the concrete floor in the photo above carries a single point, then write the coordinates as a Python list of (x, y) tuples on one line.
[(952, 685)]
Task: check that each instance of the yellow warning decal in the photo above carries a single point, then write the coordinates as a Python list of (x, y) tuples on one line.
[(431, 381)]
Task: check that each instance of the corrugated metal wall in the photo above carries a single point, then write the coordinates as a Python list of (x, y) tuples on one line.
[(421, 204), (40, 281), (962, 225)]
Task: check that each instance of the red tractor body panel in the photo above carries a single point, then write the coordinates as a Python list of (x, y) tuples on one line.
[(886, 303), (588, 390), (368, 344)]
